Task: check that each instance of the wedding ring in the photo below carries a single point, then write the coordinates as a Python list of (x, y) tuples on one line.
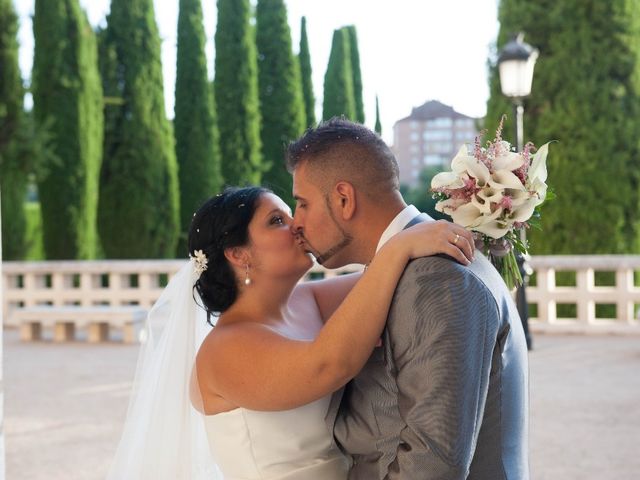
[(455, 242)]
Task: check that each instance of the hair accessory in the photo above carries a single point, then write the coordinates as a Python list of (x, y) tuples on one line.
[(247, 280), (200, 259)]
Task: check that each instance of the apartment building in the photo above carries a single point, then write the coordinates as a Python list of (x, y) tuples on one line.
[(430, 136)]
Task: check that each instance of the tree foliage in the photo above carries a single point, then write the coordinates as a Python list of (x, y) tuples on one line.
[(196, 130), (421, 196), (13, 175), (67, 96), (585, 95), (139, 204), (338, 80), (281, 104), (236, 94), (356, 75), (378, 127), (304, 57)]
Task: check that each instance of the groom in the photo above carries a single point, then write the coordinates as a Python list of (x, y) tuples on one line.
[(446, 394)]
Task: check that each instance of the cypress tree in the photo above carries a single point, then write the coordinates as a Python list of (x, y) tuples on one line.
[(236, 93), (67, 93), (378, 127), (13, 176), (281, 104), (304, 58), (513, 17), (139, 204), (196, 131), (585, 94), (338, 80), (355, 72)]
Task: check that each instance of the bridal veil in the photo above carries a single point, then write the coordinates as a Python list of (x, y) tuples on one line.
[(164, 435)]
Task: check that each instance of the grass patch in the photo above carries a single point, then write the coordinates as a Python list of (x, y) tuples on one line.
[(604, 278), (566, 310), (566, 278), (35, 248), (606, 310)]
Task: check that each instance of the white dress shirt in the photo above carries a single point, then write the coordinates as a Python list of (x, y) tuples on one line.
[(398, 224)]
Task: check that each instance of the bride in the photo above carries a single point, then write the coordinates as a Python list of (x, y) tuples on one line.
[(247, 399)]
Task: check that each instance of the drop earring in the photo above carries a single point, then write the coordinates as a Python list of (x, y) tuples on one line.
[(247, 280)]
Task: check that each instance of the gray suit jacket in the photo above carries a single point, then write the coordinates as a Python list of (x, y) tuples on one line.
[(446, 396)]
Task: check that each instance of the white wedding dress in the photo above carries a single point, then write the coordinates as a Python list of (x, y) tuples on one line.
[(292, 444), (166, 438)]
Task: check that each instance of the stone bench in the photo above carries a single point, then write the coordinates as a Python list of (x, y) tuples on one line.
[(64, 320)]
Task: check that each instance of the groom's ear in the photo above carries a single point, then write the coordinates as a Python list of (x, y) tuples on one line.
[(345, 198)]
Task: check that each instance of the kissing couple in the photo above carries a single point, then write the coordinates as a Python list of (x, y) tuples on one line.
[(415, 368)]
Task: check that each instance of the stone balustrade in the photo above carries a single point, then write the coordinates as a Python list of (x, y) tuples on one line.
[(585, 293), (121, 283)]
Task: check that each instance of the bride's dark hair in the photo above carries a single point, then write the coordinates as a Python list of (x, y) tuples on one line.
[(221, 222)]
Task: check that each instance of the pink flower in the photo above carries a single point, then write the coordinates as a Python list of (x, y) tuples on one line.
[(499, 130), (481, 154), (506, 202)]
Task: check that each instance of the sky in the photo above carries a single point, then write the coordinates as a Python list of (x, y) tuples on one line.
[(411, 51)]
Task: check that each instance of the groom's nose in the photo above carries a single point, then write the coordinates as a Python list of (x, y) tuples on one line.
[(296, 229), (296, 225)]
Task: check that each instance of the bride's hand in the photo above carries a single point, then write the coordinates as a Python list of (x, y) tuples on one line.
[(430, 238)]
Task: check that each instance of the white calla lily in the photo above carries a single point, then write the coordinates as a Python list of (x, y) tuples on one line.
[(518, 197), (467, 215), (485, 197), (538, 169), (494, 229), (506, 179), (458, 163), (493, 225), (449, 205), (465, 163), (523, 212), (540, 191), (508, 161), (446, 180)]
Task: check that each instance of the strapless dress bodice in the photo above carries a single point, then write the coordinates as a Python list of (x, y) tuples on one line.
[(292, 444)]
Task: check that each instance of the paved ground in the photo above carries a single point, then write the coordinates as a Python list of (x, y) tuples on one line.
[(64, 405)]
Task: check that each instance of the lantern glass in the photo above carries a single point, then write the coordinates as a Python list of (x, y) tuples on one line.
[(516, 76)]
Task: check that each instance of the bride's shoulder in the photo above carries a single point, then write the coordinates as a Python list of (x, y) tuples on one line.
[(235, 332)]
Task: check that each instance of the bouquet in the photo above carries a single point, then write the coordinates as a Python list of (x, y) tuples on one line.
[(494, 192)]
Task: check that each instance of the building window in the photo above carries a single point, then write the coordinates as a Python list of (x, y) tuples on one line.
[(442, 122), (414, 136), (442, 147), (430, 135), (466, 123)]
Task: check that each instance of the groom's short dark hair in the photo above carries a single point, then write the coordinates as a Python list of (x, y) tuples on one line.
[(339, 147)]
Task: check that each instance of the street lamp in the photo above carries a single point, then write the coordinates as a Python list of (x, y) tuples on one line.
[(515, 63)]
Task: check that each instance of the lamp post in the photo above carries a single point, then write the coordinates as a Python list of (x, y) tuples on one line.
[(516, 61)]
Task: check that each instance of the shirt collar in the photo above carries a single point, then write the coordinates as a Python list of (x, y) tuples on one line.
[(397, 224)]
